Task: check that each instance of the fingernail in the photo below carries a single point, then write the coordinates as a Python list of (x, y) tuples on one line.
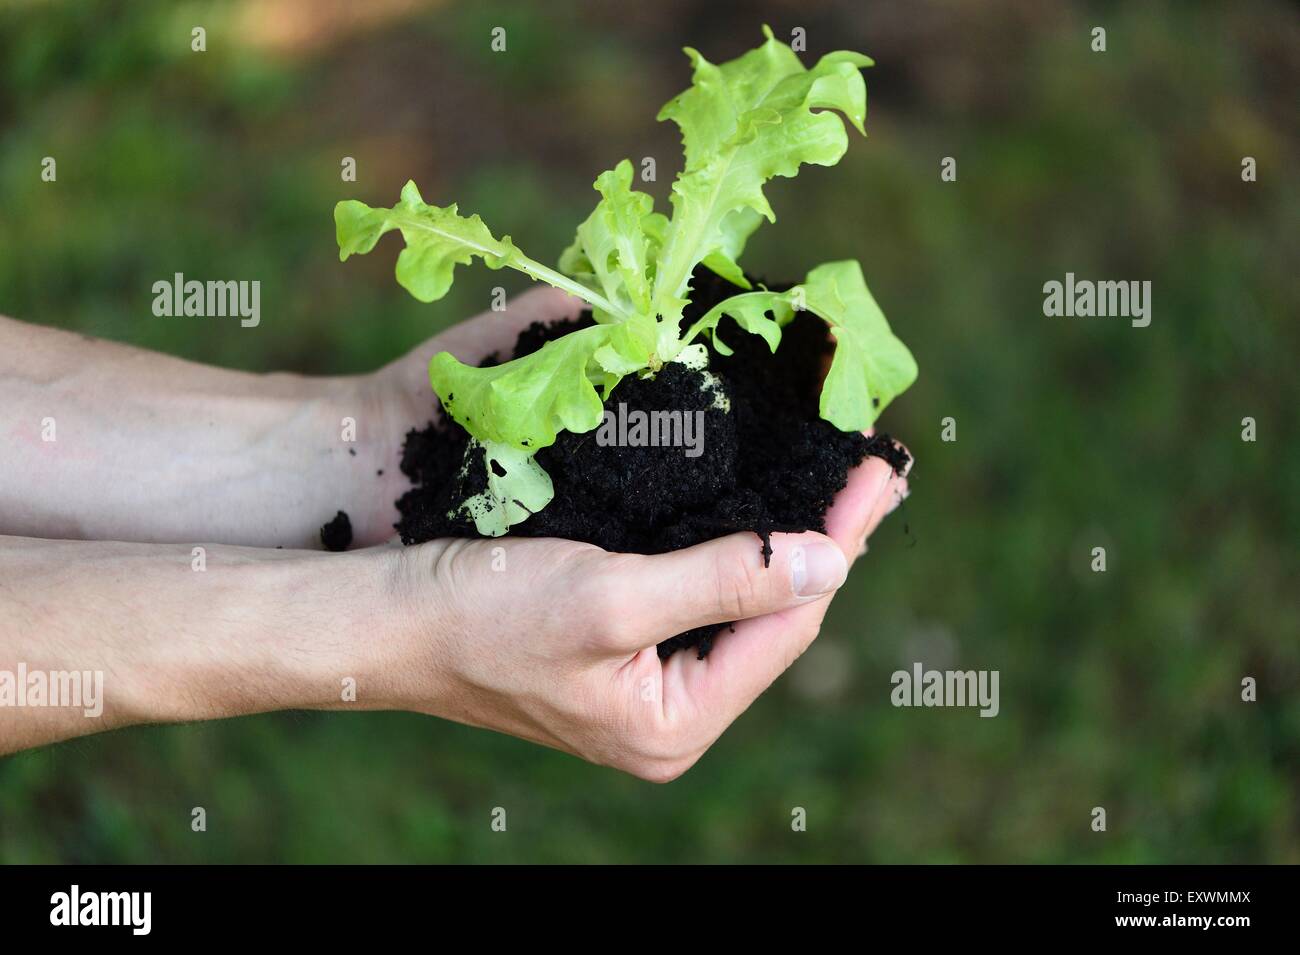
[(817, 569)]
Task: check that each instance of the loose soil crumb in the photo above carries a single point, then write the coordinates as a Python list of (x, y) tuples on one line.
[(337, 534), (769, 465)]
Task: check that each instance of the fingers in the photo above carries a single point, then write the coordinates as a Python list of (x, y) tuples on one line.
[(744, 664), (849, 519), (642, 600), (896, 491), (646, 599), (872, 492)]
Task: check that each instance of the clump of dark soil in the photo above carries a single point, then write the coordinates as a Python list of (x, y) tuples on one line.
[(768, 464), (337, 533)]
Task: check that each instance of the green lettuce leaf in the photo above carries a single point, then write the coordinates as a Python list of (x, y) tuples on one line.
[(614, 249), (736, 230), (870, 366), (525, 402), (517, 488), (437, 240), (760, 313), (756, 117)]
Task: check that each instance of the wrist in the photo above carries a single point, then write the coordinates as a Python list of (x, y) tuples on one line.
[(410, 652), (367, 418), (364, 611), (337, 629), (279, 630)]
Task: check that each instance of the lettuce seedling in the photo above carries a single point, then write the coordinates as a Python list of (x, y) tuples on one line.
[(742, 123)]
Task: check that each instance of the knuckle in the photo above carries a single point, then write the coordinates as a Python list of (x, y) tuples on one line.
[(739, 588)]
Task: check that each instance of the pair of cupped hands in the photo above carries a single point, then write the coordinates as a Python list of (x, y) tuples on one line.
[(554, 641)]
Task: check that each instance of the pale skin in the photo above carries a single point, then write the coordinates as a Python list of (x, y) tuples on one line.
[(547, 640)]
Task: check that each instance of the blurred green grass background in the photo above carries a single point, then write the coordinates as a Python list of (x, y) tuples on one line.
[(1119, 690)]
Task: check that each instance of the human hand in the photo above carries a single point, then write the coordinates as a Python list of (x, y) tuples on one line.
[(546, 639), (554, 641), (399, 398)]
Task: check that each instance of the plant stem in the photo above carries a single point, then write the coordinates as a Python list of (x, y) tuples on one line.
[(518, 260), (551, 277)]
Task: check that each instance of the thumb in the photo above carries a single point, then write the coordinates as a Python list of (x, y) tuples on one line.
[(720, 581)]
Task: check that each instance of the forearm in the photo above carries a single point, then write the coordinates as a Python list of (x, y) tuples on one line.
[(104, 441), (153, 633)]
